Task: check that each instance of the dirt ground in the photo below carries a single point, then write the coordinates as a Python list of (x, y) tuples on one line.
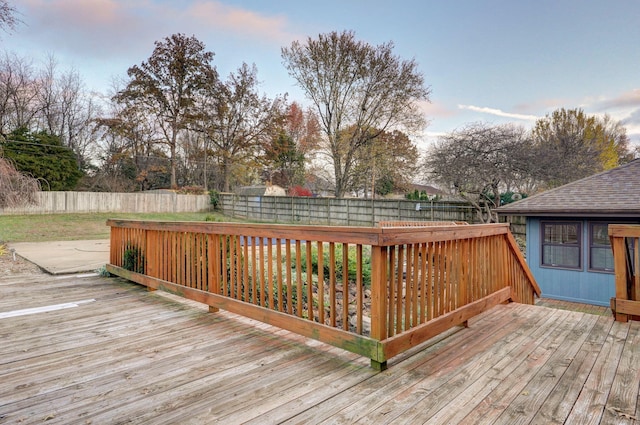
[(18, 266)]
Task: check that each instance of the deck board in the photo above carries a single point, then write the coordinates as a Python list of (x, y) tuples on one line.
[(133, 356)]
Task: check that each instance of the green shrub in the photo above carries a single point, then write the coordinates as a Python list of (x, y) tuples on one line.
[(133, 259), (339, 265), (102, 271), (214, 198)]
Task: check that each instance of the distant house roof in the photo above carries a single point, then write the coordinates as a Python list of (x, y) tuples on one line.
[(430, 190), (614, 192), (261, 190)]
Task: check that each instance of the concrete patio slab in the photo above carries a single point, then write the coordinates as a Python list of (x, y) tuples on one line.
[(65, 257)]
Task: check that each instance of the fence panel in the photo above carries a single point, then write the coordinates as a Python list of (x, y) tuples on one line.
[(95, 202), (343, 211)]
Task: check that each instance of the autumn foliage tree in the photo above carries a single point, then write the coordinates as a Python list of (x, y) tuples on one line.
[(354, 85), (287, 154), (168, 85), (388, 162), (570, 145), (238, 121)]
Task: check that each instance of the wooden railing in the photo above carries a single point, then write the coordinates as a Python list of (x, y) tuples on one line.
[(402, 223), (625, 243), (373, 291)]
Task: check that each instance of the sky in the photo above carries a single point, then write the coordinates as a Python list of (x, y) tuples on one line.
[(493, 61)]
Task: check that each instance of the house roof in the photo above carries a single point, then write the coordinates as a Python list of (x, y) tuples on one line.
[(614, 192), (427, 188)]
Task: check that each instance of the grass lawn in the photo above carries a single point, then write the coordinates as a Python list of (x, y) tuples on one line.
[(66, 227)]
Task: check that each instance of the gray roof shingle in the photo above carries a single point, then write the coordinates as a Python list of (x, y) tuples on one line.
[(614, 192)]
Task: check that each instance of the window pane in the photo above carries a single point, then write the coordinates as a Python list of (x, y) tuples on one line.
[(561, 256), (600, 234), (561, 233), (601, 258)]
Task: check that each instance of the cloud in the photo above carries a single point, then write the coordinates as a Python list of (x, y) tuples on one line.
[(242, 23), (625, 108), (498, 112), (632, 124), (98, 27), (89, 28), (630, 99), (436, 109)]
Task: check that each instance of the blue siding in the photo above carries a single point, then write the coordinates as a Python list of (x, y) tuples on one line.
[(569, 285)]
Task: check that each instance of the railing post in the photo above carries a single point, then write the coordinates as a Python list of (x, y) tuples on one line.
[(620, 267), (379, 301), (215, 266)]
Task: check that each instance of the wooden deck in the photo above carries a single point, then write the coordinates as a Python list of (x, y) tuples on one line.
[(107, 351)]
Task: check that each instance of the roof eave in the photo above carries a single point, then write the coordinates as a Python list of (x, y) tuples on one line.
[(571, 213)]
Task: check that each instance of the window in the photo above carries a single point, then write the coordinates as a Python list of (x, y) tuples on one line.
[(561, 244), (600, 254)]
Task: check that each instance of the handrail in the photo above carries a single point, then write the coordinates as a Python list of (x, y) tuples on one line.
[(402, 223), (625, 244), (375, 291)]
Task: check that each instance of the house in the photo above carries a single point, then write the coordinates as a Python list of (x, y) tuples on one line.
[(261, 190), (568, 247)]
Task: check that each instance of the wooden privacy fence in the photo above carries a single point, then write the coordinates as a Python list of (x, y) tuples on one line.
[(625, 243), (373, 291)]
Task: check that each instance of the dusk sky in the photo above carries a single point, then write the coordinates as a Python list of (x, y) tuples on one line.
[(485, 60)]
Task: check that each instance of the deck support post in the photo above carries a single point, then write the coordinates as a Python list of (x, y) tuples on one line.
[(378, 366)]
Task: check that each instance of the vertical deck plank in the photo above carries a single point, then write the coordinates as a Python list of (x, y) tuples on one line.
[(321, 301), (279, 274), (391, 290), (332, 284), (408, 291), (399, 288), (270, 285), (415, 292), (261, 281), (359, 290), (288, 265), (430, 302), (345, 286), (246, 282), (424, 282), (299, 277), (254, 272), (309, 281)]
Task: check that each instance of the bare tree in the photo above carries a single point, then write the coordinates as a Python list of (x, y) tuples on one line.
[(67, 110), (168, 84), (478, 161), (16, 189), (129, 152), (8, 20), (19, 92), (354, 85), (238, 121)]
